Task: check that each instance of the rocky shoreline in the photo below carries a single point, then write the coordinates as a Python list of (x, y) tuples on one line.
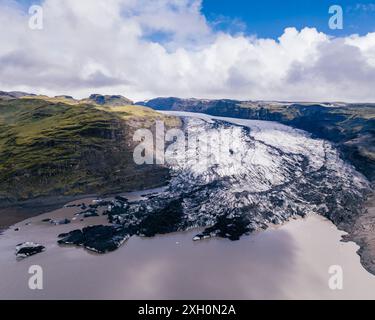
[(14, 212), (362, 233), (290, 258)]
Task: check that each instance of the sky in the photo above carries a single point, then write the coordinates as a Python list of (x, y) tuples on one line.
[(248, 50), (268, 18)]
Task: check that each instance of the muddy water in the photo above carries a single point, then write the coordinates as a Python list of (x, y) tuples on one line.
[(287, 262)]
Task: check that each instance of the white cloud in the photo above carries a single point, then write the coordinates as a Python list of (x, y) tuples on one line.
[(110, 46), (365, 7)]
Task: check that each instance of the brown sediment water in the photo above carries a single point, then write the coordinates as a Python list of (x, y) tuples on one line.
[(287, 262)]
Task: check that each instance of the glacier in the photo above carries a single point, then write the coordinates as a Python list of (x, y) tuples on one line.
[(266, 173)]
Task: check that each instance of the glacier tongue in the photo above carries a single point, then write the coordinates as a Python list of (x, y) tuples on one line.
[(236, 176), (266, 173)]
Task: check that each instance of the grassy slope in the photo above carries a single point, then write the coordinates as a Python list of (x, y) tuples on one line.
[(52, 147)]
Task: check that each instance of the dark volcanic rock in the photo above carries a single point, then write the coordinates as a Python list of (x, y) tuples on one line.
[(231, 228), (121, 199), (60, 222), (27, 249), (72, 205), (162, 221), (90, 213), (100, 239), (73, 237)]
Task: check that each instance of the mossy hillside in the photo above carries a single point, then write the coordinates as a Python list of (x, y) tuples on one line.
[(63, 149), (94, 99), (132, 114), (58, 99)]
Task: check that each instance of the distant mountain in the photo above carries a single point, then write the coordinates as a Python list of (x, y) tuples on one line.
[(350, 126), (97, 99), (109, 100), (13, 95)]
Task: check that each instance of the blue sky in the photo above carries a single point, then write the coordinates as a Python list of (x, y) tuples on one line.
[(268, 18)]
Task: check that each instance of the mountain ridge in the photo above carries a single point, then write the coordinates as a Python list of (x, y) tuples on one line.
[(95, 98)]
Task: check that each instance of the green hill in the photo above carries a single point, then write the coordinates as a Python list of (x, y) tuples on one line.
[(49, 147)]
